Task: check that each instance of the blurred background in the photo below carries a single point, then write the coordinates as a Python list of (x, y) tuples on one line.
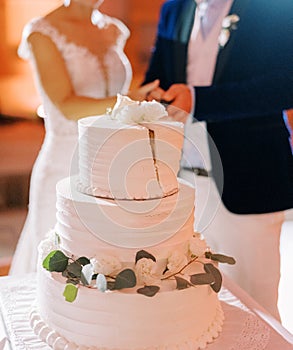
[(21, 130)]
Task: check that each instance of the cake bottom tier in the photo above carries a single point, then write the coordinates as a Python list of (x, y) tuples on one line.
[(177, 319)]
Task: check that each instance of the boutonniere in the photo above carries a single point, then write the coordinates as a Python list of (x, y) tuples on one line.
[(229, 23)]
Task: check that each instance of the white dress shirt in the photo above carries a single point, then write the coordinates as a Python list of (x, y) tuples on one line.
[(202, 55)]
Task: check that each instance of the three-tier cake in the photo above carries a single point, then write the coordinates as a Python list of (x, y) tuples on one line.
[(124, 268)]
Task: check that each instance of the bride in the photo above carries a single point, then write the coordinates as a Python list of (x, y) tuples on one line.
[(79, 65)]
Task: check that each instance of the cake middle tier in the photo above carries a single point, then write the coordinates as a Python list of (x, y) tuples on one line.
[(129, 161), (87, 224)]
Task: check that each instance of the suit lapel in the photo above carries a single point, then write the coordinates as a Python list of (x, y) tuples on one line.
[(238, 8), (182, 31), (185, 21)]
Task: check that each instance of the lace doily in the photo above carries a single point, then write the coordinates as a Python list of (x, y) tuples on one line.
[(253, 335), (242, 330)]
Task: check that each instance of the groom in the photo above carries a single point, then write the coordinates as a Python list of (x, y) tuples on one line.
[(230, 64)]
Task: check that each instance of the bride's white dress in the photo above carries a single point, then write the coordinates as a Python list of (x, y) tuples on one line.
[(92, 77)]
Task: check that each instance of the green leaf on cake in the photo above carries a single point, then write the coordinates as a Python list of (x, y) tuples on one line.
[(144, 254), (202, 278), (56, 261), (74, 281), (83, 261), (101, 283), (221, 258), (74, 270), (70, 292), (70, 278), (111, 285), (148, 291), (125, 279), (211, 269), (182, 283)]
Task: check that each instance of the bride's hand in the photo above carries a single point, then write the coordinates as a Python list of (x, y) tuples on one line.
[(155, 94), (145, 92)]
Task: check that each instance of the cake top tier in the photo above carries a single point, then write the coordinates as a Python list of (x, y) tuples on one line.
[(131, 153)]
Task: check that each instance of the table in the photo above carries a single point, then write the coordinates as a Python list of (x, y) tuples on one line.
[(247, 325)]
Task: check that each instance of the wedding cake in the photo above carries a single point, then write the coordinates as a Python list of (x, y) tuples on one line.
[(123, 268)]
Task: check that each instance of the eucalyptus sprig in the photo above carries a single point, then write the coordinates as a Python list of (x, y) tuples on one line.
[(74, 272), (81, 272)]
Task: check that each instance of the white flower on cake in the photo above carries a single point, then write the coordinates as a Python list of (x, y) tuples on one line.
[(105, 264), (145, 270), (49, 244), (197, 246), (176, 261), (133, 112)]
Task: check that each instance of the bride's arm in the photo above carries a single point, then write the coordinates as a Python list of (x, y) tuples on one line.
[(53, 77)]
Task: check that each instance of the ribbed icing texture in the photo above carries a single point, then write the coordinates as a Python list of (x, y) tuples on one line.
[(125, 224), (178, 319), (129, 161)]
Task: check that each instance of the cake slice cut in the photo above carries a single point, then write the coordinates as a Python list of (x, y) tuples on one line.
[(105, 167)]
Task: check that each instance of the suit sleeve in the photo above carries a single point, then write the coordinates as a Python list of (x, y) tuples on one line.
[(155, 66), (259, 96)]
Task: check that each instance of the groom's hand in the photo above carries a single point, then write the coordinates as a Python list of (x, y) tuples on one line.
[(144, 92), (179, 98), (156, 94)]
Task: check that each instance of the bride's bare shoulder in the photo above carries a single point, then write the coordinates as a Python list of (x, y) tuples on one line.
[(45, 29), (57, 15)]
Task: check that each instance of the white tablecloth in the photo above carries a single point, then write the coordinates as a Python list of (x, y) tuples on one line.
[(247, 326)]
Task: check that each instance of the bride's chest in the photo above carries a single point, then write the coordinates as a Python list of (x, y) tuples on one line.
[(97, 41)]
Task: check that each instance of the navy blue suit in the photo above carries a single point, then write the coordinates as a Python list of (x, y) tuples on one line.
[(243, 108)]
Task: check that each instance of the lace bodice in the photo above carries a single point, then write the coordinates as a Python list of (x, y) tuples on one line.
[(90, 75), (101, 73)]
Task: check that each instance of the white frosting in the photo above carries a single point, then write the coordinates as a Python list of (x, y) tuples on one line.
[(178, 319), (127, 198), (86, 223), (134, 112), (129, 161)]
